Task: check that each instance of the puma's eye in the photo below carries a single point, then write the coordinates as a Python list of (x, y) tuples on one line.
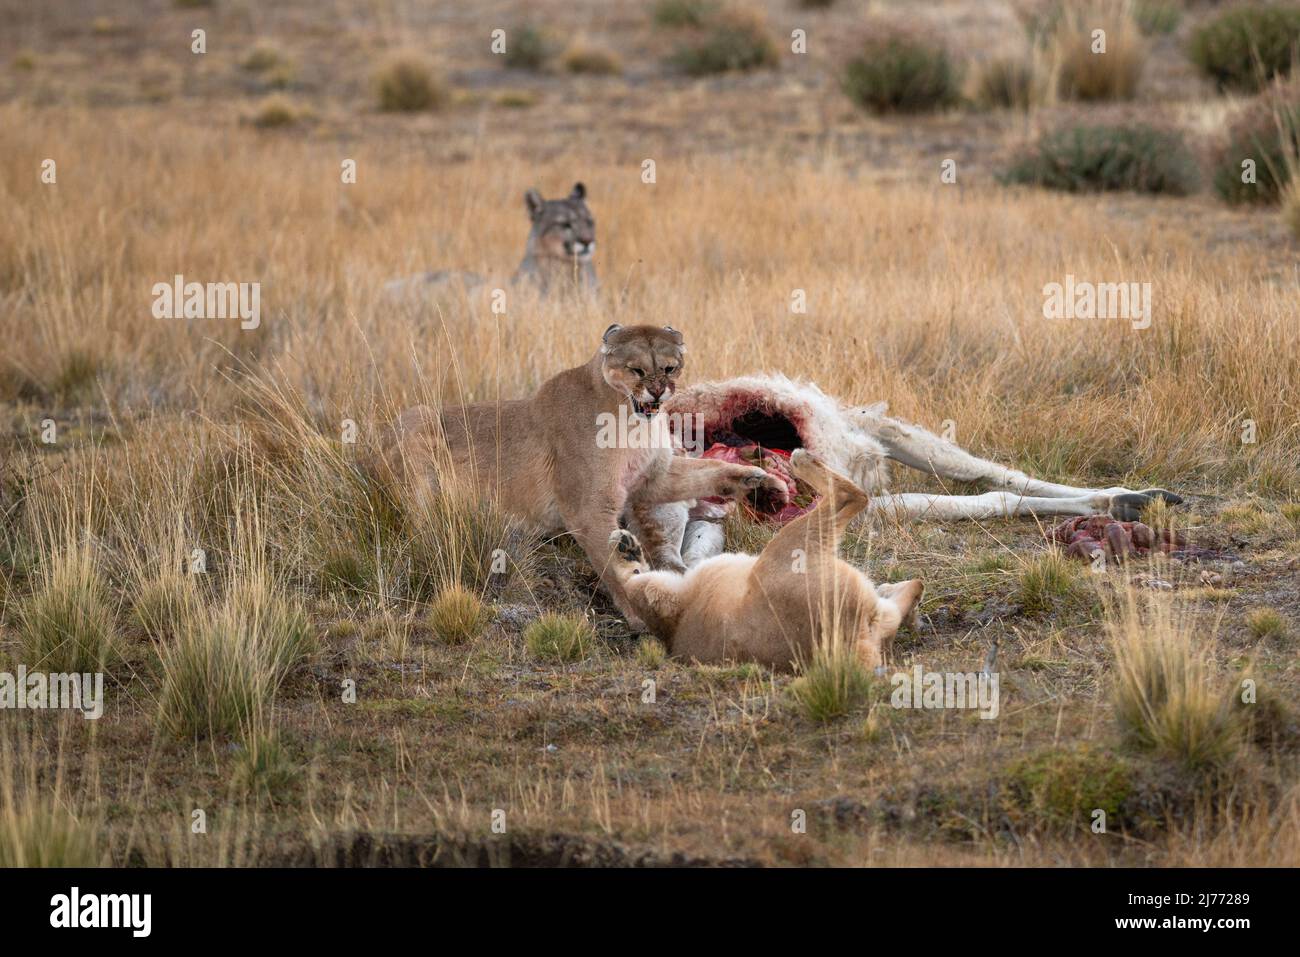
[(669, 370), (638, 372)]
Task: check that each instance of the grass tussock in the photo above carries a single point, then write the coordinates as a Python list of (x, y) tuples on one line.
[(1050, 581), (1007, 82), (583, 56), (263, 767), (457, 616), (556, 637), (165, 603), (276, 112), (40, 824), (1157, 17), (69, 622), (1170, 698), (263, 57), (1266, 624), (1291, 208), (835, 682), (407, 83), (222, 670), (1095, 49), (651, 653)]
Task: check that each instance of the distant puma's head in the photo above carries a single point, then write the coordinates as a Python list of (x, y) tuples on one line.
[(563, 229), (642, 363)]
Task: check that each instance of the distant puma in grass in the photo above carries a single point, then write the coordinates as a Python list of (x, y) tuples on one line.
[(559, 252)]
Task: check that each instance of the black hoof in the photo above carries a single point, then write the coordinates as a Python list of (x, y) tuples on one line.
[(1128, 506), (1169, 497)]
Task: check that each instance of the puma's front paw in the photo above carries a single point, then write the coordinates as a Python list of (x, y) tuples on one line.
[(629, 549), (767, 491)]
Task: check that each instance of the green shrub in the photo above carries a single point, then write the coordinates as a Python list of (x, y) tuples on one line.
[(1061, 788), (528, 48), (683, 13), (734, 40), (1080, 159), (900, 72), (1268, 133), (557, 637), (407, 84), (1157, 16), (264, 767), (1244, 47)]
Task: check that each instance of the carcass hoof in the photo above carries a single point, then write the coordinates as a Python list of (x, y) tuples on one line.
[(1128, 506)]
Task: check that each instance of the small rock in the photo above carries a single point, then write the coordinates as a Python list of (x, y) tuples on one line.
[(1239, 568)]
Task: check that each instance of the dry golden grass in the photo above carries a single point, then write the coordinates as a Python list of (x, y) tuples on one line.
[(953, 334), (1087, 65)]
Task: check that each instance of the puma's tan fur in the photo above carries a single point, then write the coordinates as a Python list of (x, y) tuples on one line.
[(539, 458), (775, 607)]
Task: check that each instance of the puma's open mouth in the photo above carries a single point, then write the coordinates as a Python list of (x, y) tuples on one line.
[(646, 409)]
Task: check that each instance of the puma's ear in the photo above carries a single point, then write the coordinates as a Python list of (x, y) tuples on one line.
[(579, 191), (677, 336), (533, 201), (604, 340)]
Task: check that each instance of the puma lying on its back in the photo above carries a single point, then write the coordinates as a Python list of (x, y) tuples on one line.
[(559, 252), (775, 607), (549, 459)]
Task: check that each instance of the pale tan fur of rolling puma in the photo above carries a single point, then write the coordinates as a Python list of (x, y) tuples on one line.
[(775, 607)]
